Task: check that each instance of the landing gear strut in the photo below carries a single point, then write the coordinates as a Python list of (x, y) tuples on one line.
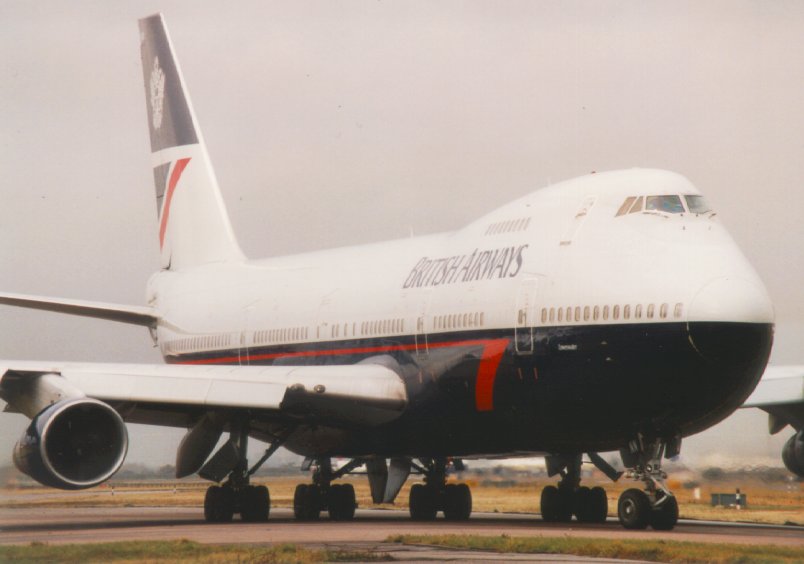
[(236, 494), (560, 503), (338, 499), (655, 505), (435, 495)]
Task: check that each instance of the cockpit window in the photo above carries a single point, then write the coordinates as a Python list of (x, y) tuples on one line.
[(697, 204), (666, 204), (637, 207)]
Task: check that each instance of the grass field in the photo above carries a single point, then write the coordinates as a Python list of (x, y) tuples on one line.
[(775, 504)]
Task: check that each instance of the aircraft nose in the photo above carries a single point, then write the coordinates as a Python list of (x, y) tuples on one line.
[(731, 299), (730, 322)]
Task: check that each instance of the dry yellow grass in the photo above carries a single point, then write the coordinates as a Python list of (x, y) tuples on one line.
[(767, 504)]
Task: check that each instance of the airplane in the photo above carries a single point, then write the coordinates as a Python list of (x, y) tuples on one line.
[(780, 393), (607, 312)]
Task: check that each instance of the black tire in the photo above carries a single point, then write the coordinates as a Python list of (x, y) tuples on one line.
[(457, 502), (211, 504), (422, 501), (598, 505), (581, 504), (634, 509), (306, 502), (549, 504), (255, 504), (342, 503), (665, 516), (566, 502)]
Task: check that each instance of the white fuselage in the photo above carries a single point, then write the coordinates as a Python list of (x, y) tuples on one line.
[(558, 256)]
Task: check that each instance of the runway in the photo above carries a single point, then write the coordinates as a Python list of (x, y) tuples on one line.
[(82, 525)]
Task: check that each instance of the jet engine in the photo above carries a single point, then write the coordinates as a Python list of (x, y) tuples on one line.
[(793, 454), (73, 444)]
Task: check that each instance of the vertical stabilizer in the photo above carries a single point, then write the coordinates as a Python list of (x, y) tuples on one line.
[(194, 227)]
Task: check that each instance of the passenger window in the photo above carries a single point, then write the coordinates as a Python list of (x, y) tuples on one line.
[(605, 312), (637, 207), (544, 315), (569, 314), (663, 311), (638, 311), (586, 313), (651, 309), (615, 312), (552, 314), (626, 206), (596, 313), (627, 311), (678, 310), (577, 313), (560, 314), (666, 204)]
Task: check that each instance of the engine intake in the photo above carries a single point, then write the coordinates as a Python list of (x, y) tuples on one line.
[(73, 444), (793, 454)]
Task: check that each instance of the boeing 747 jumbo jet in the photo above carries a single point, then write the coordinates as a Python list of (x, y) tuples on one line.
[(608, 312)]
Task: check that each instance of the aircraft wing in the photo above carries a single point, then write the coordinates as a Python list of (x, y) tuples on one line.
[(137, 315), (363, 394), (780, 392)]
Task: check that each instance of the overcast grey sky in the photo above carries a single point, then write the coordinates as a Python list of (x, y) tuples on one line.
[(334, 123)]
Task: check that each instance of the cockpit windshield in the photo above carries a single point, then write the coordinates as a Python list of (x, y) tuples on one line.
[(697, 204), (669, 203), (666, 204)]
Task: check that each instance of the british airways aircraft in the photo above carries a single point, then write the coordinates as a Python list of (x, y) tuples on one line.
[(608, 312)]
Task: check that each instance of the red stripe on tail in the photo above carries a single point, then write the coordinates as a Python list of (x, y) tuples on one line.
[(174, 180)]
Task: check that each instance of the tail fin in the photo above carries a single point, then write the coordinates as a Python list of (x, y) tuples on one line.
[(194, 227)]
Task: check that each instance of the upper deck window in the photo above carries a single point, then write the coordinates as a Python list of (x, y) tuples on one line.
[(697, 204), (666, 204)]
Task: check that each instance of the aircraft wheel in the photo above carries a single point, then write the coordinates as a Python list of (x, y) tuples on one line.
[(307, 502), (255, 504), (423, 503), (549, 504), (556, 504), (219, 504), (634, 509), (457, 502), (342, 502), (665, 517), (581, 504), (598, 505)]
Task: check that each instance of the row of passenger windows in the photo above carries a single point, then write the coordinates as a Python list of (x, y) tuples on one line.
[(458, 321), (382, 326), (280, 335), (196, 343), (471, 320), (665, 204), (508, 226), (604, 313)]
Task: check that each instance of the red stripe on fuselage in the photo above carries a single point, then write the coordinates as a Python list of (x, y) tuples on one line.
[(174, 180), (490, 358)]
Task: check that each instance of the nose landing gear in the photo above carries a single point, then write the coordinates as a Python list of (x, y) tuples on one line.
[(655, 505)]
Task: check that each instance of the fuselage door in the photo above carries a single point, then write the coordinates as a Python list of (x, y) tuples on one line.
[(525, 313)]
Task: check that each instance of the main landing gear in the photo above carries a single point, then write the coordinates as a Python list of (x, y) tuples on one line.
[(655, 505), (236, 495), (560, 503), (435, 495), (309, 500)]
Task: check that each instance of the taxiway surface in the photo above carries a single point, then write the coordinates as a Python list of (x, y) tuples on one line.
[(79, 525)]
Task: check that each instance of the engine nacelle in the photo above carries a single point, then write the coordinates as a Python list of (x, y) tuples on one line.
[(793, 454), (73, 444)]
